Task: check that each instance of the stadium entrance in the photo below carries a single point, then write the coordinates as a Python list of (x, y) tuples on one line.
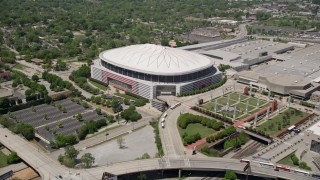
[(166, 90)]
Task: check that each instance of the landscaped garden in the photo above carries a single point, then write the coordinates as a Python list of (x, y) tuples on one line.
[(281, 121), (194, 127), (228, 103)]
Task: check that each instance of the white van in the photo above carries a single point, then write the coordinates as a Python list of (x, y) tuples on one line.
[(163, 120), (165, 115), (162, 124)]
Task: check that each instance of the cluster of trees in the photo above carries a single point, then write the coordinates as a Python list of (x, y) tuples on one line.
[(63, 140), (80, 78), (130, 114), (34, 87), (155, 126), (13, 158), (137, 101), (61, 66), (307, 104), (90, 127), (6, 55), (262, 16), (124, 23), (26, 130), (189, 139), (237, 141), (210, 151), (56, 82), (185, 119), (230, 175), (223, 67), (266, 93), (227, 132), (299, 23), (114, 103), (69, 158), (212, 114), (6, 102), (208, 88), (301, 164)]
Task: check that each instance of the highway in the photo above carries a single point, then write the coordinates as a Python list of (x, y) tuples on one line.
[(49, 169)]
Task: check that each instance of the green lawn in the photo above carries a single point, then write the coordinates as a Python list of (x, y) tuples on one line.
[(3, 159), (271, 126), (197, 128), (235, 96), (242, 107), (98, 85), (287, 161), (223, 101)]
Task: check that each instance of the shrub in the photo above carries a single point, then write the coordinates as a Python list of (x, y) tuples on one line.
[(227, 132), (185, 119), (13, 158)]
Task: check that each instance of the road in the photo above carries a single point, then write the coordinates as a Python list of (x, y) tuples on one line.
[(49, 169)]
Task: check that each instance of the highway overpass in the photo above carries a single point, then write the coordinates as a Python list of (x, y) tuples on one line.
[(49, 168)]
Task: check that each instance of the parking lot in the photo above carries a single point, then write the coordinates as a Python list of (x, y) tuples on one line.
[(49, 120)]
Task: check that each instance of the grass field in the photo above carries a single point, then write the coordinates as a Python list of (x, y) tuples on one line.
[(287, 161), (3, 159), (197, 128), (235, 96), (98, 85), (271, 126)]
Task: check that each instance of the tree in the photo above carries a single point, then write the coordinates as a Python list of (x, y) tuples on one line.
[(13, 158), (26, 130), (4, 102), (79, 117), (121, 142), (35, 78), (142, 176), (230, 175), (87, 160), (71, 152)]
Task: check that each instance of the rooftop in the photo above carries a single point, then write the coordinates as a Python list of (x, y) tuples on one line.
[(155, 59)]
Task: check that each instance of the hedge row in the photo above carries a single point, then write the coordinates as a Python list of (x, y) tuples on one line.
[(310, 105), (189, 139), (208, 88), (185, 119), (212, 114), (227, 132)]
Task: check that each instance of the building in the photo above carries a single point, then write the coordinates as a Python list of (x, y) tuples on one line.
[(37, 61), (150, 70)]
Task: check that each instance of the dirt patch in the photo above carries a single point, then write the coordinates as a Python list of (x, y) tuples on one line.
[(25, 174)]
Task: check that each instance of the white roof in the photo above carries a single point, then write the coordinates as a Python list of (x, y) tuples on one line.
[(315, 129), (155, 59)]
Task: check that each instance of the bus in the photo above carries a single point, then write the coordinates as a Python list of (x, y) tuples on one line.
[(300, 171), (282, 168), (244, 160), (266, 164)]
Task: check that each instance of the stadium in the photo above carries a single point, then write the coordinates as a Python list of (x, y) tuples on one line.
[(151, 70)]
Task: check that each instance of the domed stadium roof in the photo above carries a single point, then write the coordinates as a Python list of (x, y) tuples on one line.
[(155, 59)]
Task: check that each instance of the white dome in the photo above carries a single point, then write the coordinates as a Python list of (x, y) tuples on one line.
[(155, 59)]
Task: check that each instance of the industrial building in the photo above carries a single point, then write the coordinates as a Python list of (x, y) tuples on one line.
[(150, 70), (294, 70)]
